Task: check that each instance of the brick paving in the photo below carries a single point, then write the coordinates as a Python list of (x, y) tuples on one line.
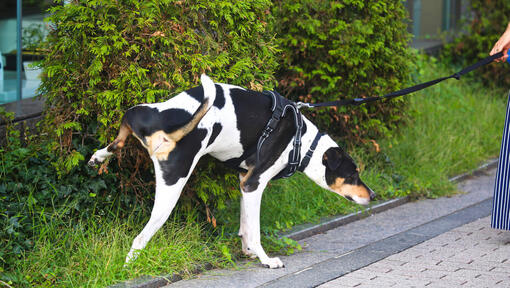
[(472, 255)]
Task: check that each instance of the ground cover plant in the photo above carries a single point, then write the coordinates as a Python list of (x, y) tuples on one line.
[(440, 138)]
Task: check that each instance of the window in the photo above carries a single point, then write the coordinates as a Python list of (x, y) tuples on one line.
[(431, 18), (31, 35)]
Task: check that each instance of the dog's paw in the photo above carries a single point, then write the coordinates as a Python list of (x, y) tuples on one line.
[(99, 157), (93, 162), (273, 263)]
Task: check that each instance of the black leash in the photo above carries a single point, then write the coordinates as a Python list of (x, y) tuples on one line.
[(405, 91)]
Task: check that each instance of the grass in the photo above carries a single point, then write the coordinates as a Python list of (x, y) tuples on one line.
[(449, 129), (91, 253)]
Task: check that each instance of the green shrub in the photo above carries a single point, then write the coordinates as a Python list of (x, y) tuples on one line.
[(32, 194), (344, 49), (480, 32), (107, 56)]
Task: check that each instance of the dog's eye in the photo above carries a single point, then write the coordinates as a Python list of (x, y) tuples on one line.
[(352, 176)]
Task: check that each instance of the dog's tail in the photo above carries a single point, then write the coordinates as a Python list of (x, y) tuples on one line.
[(209, 90), (209, 97)]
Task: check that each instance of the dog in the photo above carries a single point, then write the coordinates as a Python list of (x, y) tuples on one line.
[(224, 121)]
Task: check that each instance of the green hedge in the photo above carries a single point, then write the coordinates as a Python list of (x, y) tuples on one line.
[(344, 49), (479, 34), (107, 56)]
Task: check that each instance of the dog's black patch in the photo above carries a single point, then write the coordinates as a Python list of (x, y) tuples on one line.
[(215, 132), (144, 120), (253, 110), (181, 158), (197, 93), (220, 97), (303, 130), (339, 165)]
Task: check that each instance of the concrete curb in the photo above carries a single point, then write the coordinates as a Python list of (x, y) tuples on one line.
[(492, 163), (159, 281), (305, 230)]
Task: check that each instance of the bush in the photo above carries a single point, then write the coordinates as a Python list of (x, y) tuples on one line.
[(32, 194), (344, 49), (480, 32), (108, 56)]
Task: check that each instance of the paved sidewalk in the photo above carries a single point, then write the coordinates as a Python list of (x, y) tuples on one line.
[(472, 255), (382, 238)]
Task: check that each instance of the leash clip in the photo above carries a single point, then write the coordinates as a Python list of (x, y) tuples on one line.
[(302, 104)]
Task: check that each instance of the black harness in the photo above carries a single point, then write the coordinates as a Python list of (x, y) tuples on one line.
[(280, 107)]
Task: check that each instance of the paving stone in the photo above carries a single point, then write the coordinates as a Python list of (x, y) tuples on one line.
[(501, 270), (434, 264), (379, 267), (348, 280)]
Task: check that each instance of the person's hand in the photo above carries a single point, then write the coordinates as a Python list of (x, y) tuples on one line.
[(503, 44)]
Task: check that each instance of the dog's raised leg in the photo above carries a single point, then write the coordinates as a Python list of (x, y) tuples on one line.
[(107, 151), (250, 227), (164, 202)]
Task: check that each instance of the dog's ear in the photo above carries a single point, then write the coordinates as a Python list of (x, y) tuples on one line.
[(332, 158)]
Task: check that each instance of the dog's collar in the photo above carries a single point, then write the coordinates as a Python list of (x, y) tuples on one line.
[(306, 160)]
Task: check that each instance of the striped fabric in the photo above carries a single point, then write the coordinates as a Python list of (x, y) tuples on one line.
[(501, 201)]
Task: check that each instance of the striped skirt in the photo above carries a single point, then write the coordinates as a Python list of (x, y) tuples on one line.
[(501, 201)]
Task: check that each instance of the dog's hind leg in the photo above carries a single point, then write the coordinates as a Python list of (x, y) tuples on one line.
[(118, 143), (164, 202), (250, 225)]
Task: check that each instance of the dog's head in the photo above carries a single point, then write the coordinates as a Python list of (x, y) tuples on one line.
[(342, 176)]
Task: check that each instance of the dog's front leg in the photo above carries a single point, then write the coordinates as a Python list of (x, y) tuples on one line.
[(250, 227), (164, 202)]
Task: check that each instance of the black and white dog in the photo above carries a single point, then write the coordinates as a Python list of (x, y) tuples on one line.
[(225, 121)]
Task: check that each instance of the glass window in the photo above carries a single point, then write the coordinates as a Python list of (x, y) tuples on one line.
[(430, 19), (33, 32)]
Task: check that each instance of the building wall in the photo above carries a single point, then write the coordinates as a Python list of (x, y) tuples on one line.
[(431, 17)]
